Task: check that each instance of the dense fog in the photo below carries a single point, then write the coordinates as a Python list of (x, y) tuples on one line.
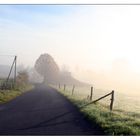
[(98, 45)]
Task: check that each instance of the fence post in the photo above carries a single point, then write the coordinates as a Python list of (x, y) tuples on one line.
[(73, 89), (59, 85), (88, 97), (91, 93), (64, 87), (112, 100)]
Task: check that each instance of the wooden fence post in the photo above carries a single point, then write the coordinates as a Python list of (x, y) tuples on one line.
[(91, 93), (88, 97), (73, 89), (59, 85), (112, 100), (64, 87)]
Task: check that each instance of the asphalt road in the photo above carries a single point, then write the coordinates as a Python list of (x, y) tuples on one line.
[(43, 111)]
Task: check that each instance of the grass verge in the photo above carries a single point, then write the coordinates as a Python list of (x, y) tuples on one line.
[(7, 95), (117, 122)]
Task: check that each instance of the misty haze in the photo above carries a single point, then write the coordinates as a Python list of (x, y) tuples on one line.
[(79, 63)]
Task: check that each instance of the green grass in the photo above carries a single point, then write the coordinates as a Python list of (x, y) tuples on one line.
[(118, 122), (7, 95), (123, 101)]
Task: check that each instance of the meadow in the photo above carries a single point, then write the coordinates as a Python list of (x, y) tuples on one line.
[(123, 101), (123, 120)]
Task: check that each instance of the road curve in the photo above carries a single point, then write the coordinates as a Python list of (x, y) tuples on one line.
[(43, 111)]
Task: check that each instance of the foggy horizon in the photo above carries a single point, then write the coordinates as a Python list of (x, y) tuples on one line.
[(97, 44)]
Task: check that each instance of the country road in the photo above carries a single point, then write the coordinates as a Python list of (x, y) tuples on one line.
[(43, 111)]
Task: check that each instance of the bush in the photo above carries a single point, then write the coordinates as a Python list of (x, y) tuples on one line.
[(22, 79)]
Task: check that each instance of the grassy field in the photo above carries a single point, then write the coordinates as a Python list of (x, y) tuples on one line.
[(123, 120), (125, 102)]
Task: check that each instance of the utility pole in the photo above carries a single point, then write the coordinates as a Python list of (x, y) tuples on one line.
[(15, 69)]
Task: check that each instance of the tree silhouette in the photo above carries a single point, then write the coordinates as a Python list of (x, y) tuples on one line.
[(47, 67)]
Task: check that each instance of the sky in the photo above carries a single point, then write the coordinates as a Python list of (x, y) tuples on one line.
[(98, 44)]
